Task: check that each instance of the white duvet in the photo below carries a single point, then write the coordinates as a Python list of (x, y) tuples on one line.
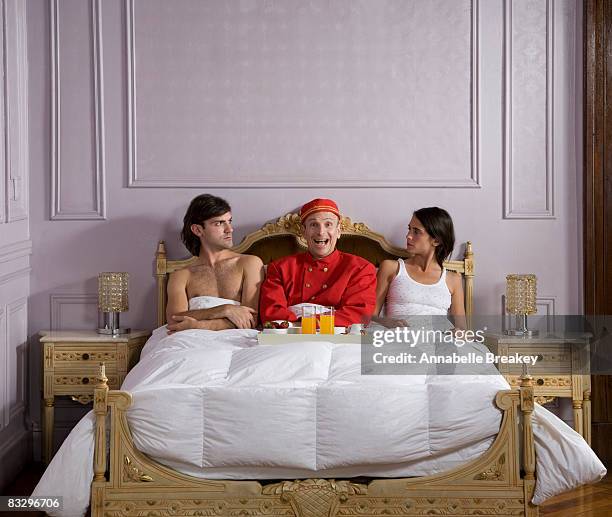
[(216, 405)]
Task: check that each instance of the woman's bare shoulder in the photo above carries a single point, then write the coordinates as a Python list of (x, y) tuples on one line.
[(454, 279), (388, 264), (388, 269)]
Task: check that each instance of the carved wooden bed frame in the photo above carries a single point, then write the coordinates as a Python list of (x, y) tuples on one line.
[(128, 483)]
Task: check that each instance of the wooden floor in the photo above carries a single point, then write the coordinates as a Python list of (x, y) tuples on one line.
[(592, 501), (589, 501)]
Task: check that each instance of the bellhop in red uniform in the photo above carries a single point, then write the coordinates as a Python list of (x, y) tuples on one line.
[(322, 275)]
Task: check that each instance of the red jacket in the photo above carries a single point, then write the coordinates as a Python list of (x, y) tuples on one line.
[(346, 282)]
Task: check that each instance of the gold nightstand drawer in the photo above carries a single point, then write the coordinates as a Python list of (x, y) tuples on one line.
[(76, 383), (78, 355), (554, 359), (559, 384)]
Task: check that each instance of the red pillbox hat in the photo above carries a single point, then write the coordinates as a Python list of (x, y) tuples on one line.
[(319, 205)]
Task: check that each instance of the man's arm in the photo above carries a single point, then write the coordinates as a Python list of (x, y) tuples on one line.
[(359, 298), (177, 294), (273, 303), (251, 283), (186, 322), (220, 311)]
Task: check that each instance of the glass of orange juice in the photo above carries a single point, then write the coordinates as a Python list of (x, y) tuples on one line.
[(326, 320), (309, 319)]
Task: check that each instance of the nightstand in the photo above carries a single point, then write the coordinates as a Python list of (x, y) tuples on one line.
[(71, 360), (562, 369)]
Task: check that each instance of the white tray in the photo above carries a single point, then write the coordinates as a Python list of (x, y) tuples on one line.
[(282, 339)]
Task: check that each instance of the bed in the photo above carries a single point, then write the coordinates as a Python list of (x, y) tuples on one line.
[(501, 482), (499, 479)]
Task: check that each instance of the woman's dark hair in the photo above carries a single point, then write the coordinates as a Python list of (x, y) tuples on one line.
[(200, 209), (439, 226)]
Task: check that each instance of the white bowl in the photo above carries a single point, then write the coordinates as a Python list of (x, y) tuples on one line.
[(276, 331)]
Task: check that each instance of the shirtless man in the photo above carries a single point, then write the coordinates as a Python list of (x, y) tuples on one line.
[(219, 272)]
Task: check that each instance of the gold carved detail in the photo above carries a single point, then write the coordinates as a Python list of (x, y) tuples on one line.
[(133, 473), (288, 223), (541, 399), (564, 381), (48, 355), (495, 472), (80, 380), (91, 356), (83, 399), (346, 225), (555, 357), (315, 497), (526, 398), (99, 397), (254, 506)]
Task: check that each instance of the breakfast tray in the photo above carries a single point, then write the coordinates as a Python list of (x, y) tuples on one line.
[(283, 339)]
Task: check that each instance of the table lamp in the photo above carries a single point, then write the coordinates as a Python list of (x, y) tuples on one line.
[(112, 300), (521, 301)]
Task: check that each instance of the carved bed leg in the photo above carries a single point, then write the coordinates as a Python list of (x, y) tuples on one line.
[(100, 410), (527, 403), (469, 283), (586, 416), (160, 274)]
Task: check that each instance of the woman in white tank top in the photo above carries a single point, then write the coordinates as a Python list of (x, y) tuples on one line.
[(419, 285)]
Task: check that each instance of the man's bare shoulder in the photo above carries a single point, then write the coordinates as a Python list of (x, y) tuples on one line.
[(180, 275)]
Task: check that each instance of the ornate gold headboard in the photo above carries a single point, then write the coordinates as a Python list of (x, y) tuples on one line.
[(284, 237)]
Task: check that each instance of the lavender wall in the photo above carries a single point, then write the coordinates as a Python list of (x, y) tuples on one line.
[(136, 106)]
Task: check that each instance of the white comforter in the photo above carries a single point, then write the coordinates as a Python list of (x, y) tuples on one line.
[(217, 405)]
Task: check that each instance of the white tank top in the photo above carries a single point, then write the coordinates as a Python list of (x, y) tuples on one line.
[(408, 297)]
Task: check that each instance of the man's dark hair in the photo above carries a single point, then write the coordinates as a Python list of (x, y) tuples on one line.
[(200, 209), (439, 225)]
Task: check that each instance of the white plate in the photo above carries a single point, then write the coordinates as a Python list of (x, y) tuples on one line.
[(276, 331)]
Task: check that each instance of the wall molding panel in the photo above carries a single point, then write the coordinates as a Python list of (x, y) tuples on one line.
[(546, 309), (98, 177), (60, 300), (15, 250), (17, 338), (543, 208), (3, 117), (4, 364), (18, 162), (13, 275), (14, 159), (138, 179)]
